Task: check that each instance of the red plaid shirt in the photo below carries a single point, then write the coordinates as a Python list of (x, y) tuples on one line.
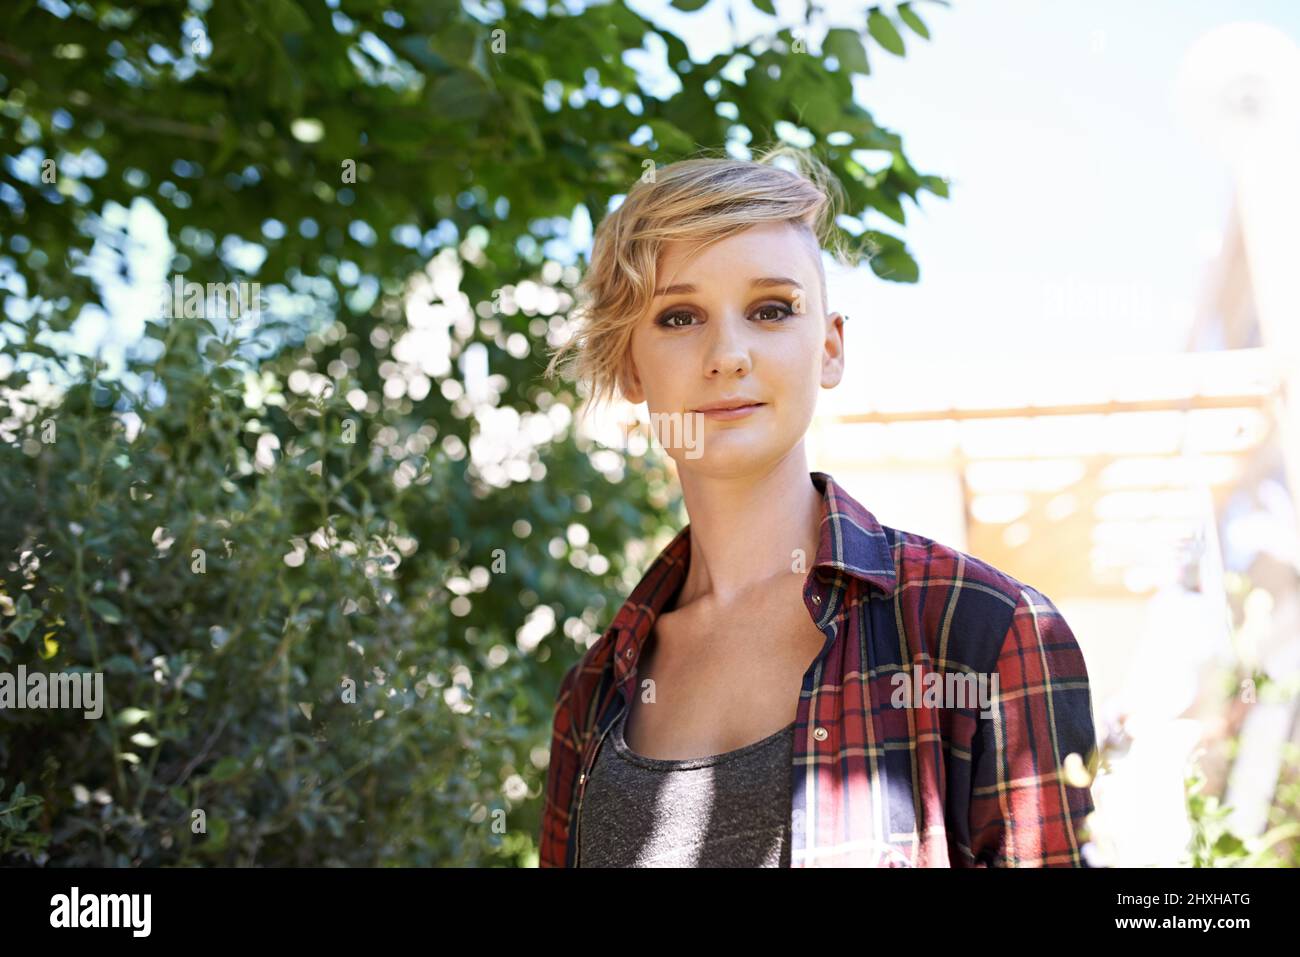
[(876, 784)]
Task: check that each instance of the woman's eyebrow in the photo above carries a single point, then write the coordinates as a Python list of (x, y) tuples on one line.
[(681, 288)]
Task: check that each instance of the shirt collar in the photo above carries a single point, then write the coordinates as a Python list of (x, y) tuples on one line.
[(852, 542)]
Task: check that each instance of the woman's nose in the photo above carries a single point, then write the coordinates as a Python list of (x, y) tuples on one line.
[(728, 351)]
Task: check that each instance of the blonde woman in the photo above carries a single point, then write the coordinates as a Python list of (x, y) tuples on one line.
[(791, 683)]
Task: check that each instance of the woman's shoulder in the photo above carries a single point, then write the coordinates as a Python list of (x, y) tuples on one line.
[(594, 669), (979, 606), (922, 562)]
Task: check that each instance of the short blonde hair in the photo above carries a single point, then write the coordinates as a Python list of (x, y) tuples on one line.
[(701, 199)]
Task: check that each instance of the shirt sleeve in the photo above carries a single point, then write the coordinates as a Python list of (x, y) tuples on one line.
[(561, 773), (1023, 811)]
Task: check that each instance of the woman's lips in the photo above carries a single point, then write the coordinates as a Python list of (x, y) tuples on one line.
[(736, 413)]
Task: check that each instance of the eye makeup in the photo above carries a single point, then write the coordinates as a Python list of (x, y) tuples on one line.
[(784, 309)]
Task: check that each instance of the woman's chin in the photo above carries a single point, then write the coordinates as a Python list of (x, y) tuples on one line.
[(722, 456)]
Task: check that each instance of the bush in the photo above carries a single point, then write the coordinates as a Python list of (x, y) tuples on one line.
[(304, 660)]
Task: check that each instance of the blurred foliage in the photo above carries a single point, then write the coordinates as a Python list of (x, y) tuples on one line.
[(1283, 838), (233, 524), (229, 599), (1215, 844)]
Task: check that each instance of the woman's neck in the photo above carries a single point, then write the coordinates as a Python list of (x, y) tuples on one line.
[(749, 530)]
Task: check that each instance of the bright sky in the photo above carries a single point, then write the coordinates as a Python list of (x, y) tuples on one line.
[(1082, 212)]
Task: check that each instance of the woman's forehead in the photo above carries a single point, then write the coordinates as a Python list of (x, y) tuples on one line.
[(770, 245)]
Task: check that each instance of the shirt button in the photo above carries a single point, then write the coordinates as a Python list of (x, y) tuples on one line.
[(582, 777), (628, 654), (817, 599), (821, 734)]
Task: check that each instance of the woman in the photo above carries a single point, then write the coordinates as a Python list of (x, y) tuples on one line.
[(791, 683)]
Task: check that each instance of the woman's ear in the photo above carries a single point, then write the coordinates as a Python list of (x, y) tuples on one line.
[(833, 353)]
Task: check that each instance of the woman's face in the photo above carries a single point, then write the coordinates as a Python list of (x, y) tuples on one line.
[(743, 319)]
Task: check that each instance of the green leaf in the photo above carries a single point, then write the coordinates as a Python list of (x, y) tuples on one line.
[(936, 185), (456, 43), (119, 664), (1229, 844), (419, 49), (225, 769), (766, 6), (130, 716), (670, 138), (218, 832), (889, 206), (460, 96), (883, 32), (846, 47), (689, 5), (889, 257), (106, 610), (287, 17), (908, 16)]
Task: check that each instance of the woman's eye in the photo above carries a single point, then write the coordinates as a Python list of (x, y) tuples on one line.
[(782, 311), (668, 319)]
